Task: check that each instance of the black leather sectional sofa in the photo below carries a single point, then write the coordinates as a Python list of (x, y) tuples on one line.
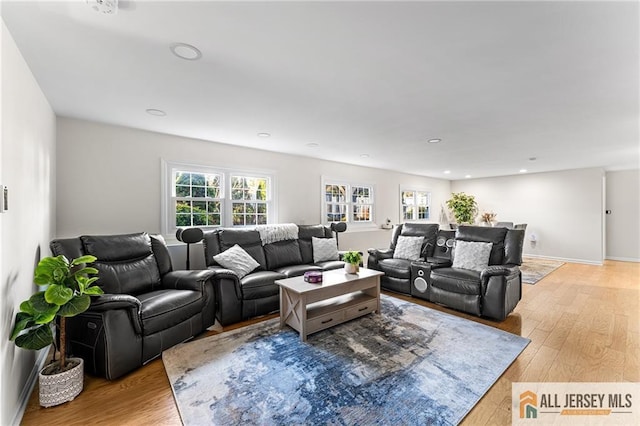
[(257, 294)]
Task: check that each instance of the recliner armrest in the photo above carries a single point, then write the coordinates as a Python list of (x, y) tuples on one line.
[(499, 270), (381, 253), (110, 302), (187, 280)]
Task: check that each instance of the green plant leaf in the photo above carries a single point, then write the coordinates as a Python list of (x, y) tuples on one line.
[(39, 303), (57, 294), (93, 290), (75, 306), (36, 338), (23, 321), (26, 307), (86, 271), (84, 259), (45, 317)]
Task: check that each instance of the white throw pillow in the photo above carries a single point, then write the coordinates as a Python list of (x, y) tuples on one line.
[(324, 249), (408, 248), (471, 255), (237, 260)]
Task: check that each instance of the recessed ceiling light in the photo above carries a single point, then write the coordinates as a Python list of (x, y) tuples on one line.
[(436, 140), (156, 112), (467, 176), (313, 145), (264, 135), (523, 170), (446, 172), (186, 51), (364, 155)]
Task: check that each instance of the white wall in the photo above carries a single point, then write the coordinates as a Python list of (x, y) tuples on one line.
[(563, 209), (119, 189), (27, 168), (623, 224)]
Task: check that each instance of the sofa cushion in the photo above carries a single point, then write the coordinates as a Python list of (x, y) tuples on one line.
[(487, 234), (397, 268), (471, 255), (330, 265), (282, 253), (248, 239), (305, 234), (237, 260), (427, 230), (126, 262), (162, 309), (260, 284), (324, 249), (462, 281), (408, 248), (297, 270)]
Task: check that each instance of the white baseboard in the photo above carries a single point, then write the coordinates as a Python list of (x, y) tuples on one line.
[(564, 259), (623, 259), (29, 385)]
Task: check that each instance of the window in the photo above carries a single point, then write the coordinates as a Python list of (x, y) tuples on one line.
[(344, 202), (249, 200), (414, 204), (208, 197)]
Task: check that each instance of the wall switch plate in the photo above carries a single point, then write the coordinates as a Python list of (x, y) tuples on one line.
[(4, 198)]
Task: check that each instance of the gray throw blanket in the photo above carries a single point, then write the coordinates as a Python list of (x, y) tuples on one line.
[(280, 232)]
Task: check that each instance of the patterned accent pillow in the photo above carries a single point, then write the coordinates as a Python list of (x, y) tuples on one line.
[(324, 249), (237, 260), (408, 248), (471, 255)]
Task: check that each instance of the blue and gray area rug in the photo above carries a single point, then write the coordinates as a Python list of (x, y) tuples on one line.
[(410, 365)]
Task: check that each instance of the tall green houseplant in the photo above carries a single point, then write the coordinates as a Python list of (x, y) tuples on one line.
[(463, 206), (68, 293)]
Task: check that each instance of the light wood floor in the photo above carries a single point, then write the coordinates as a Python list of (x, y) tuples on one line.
[(583, 322)]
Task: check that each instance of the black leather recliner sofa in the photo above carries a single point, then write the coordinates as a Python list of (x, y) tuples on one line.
[(493, 292), (147, 307), (256, 293)]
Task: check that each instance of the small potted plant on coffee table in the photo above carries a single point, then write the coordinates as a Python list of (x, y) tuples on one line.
[(352, 261), (67, 292)]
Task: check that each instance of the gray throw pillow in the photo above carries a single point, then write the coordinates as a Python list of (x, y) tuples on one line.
[(471, 255), (408, 248), (237, 260), (324, 249)]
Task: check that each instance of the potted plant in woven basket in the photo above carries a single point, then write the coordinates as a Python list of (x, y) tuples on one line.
[(67, 292), (352, 261)]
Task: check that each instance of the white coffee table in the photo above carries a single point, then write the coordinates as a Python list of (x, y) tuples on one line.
[(309, 308)]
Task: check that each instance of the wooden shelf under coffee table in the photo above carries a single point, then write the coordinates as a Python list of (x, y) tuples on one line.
[(309, 308)]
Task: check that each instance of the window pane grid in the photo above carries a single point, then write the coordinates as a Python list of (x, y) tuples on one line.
[(415, 205)]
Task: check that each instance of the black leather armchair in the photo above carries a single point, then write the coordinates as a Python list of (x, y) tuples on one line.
[(397, 272), (147, 307), (493, 292)]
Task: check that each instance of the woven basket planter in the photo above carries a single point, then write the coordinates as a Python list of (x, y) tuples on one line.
[(56, 389)]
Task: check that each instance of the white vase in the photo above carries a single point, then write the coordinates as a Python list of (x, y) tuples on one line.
[(59, 388), (351, 268)]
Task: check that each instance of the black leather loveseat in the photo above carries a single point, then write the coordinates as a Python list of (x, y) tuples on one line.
[(147, 307), (255, 294)]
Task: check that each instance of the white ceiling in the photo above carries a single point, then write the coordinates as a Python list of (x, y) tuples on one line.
[(498, 82)]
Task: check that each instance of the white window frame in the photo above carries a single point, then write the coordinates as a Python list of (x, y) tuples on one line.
[(415, 212), (168, 196), (350, 204)]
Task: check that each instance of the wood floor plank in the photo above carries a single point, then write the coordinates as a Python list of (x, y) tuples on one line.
[(583, 322)]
